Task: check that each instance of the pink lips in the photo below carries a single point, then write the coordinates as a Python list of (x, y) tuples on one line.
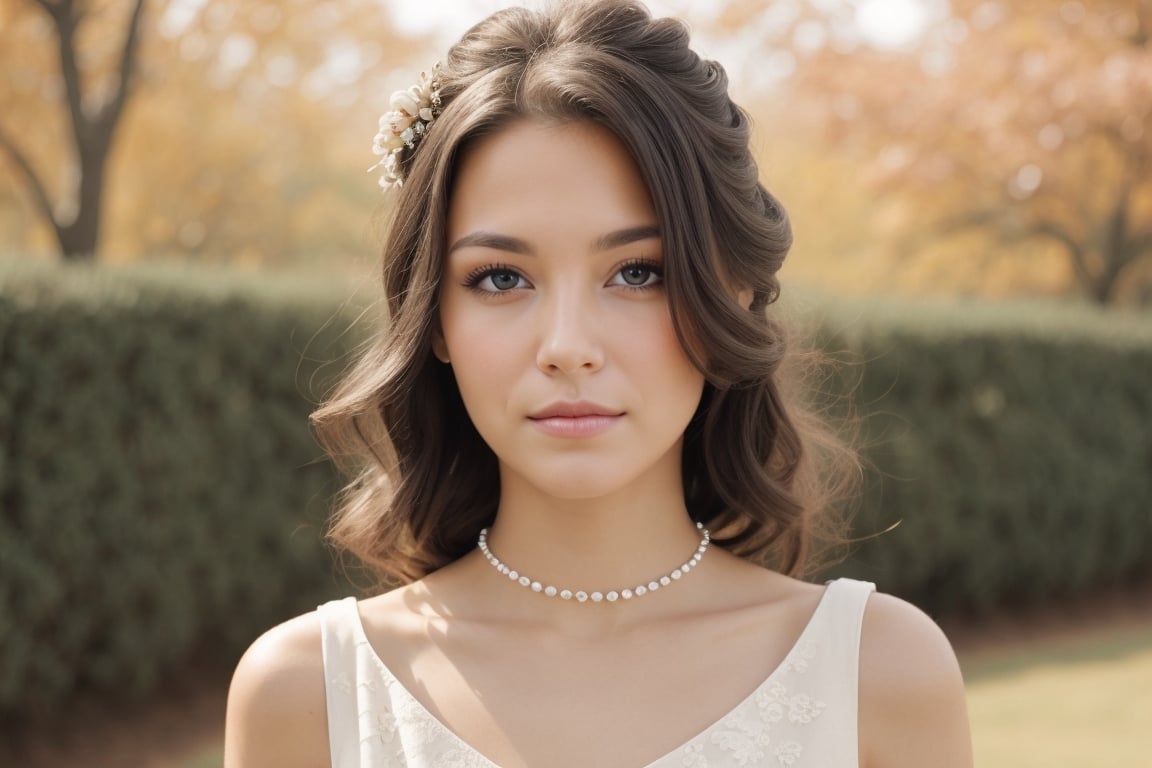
[(574, 419)]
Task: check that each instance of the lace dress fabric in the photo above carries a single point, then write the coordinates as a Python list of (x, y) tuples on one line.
[(803, 715)]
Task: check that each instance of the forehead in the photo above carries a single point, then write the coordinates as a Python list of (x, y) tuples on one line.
[(547, 180)]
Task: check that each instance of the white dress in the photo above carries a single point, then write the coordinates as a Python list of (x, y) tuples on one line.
[(803, 715)]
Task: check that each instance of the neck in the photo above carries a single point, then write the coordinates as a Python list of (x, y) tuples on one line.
[(595, 545)]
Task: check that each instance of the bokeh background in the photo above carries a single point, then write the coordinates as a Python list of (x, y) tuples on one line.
[(188, 244), (923, 146)]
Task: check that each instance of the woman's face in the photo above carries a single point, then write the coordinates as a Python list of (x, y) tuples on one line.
[(554, 317)]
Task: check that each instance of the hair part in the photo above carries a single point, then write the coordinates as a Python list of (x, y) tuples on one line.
[(761, 467)]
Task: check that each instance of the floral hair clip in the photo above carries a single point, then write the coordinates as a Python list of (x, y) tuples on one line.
[(412, 112)]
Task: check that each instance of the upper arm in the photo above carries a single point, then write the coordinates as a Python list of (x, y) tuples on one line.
[(276, 703), (913, 710)]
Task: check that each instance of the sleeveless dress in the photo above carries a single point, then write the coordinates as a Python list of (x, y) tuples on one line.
[(803, 715)]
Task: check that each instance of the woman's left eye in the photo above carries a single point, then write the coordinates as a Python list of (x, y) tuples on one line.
[(638, 275)]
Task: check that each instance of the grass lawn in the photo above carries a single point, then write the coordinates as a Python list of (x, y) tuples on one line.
[(1076, 701), (1084, 702)]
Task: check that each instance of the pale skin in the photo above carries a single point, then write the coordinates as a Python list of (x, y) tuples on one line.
[(559, 308)]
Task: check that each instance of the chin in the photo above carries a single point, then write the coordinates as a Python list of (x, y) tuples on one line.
[(584, 489), (580, 485)]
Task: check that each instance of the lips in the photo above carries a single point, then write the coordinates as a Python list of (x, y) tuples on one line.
[(575, 419), (573, 410)]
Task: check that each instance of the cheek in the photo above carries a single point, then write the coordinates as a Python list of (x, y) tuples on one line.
[(472, 338), (657, 358), (483, 356), (664, 345)]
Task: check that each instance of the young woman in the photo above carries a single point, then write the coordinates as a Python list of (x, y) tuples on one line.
[(583, 459)]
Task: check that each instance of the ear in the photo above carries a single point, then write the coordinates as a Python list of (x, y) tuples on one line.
[(439, 346), (744, 297)]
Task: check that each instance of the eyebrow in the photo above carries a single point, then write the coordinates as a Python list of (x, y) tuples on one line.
[(498, 242), (626, 236)]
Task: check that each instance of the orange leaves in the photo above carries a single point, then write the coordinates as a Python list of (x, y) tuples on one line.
[(1015, 121), (248, 132)]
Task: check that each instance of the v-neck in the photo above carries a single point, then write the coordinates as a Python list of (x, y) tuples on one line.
[(786, 662)]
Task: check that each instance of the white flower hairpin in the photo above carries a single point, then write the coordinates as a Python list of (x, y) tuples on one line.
[(412, 112)]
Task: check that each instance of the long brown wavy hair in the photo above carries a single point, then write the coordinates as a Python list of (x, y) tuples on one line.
[(760, 467)]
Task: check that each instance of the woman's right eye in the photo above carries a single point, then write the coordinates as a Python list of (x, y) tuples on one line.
[(496, 280), (504, 281)]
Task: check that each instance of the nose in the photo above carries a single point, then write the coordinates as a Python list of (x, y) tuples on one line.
[(568, 335)]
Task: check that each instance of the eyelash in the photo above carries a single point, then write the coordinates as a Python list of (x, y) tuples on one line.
[(477, 276), (654, 267)]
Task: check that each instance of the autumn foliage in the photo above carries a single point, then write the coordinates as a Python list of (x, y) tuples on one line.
[(1004, 148), (1026, 124), (245, 138)]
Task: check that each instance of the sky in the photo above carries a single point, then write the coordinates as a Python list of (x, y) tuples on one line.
[(751, 67), (883, 23)]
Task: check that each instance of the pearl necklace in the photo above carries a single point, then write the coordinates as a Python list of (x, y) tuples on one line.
[(611, 596)]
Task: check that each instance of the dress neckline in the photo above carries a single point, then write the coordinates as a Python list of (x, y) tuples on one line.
[(777, 671)]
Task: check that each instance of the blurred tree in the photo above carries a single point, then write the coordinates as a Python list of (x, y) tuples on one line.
[(246, 137), (1027, 121), (94, 114)]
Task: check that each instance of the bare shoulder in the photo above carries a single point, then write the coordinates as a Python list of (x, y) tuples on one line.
[(276, 702), (913, 710), (902, 649)]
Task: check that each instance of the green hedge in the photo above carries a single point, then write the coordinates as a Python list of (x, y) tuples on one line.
[(161, 494), (1010, 445)]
